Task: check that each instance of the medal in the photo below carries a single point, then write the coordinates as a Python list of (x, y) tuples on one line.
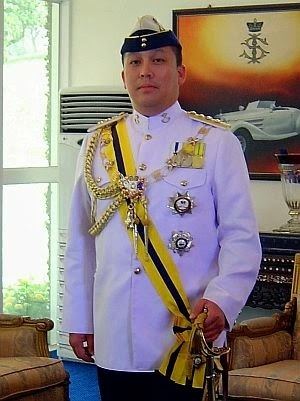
[(181, 203), (189, 154), (180, 242), (133, 188)]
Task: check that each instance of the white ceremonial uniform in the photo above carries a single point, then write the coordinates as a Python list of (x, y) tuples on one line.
[(108, 293)]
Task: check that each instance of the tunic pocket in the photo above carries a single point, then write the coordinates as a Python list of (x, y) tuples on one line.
[(185, 179)]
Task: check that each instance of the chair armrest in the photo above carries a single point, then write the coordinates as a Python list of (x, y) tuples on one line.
[(23, 336), (257, 326), (262, 340), (266, 325)]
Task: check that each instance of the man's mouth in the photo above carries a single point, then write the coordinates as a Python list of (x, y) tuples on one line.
[(147, 86)]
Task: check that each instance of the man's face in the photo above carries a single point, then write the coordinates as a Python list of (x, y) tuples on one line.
[(152, 79)]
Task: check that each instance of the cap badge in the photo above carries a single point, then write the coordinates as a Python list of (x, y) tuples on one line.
[(181, 203), (180, 242)]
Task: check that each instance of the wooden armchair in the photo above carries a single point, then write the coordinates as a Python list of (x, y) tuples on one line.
[(264, 362), (27, 373)]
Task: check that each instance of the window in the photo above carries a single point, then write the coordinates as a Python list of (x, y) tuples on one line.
[(29, 130)]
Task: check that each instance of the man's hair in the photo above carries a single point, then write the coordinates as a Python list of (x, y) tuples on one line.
[(178, 55), (176, 51)]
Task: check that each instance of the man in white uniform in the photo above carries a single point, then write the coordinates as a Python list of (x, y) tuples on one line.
[(162, 232)]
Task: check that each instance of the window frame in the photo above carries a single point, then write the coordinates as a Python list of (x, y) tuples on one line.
[(50, 174)]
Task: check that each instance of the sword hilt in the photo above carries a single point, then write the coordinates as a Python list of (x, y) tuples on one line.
[(201, 351)]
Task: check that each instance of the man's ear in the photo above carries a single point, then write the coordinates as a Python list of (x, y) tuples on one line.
[(181, 74), (123, 79)]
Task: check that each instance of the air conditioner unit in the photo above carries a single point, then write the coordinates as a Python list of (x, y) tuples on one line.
[(80, 108)]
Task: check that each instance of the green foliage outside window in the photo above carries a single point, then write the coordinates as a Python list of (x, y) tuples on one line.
[(26, 37), (22, 18), (27, 298)]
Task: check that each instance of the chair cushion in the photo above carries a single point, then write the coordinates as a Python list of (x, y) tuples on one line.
[(25, 374), (279, 381)]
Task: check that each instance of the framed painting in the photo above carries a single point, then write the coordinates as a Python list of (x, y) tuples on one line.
[(243, 66)]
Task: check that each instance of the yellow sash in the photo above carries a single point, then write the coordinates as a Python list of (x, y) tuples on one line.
[(177, 364)]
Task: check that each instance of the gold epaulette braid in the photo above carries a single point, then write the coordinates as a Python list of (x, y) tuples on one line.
[(215, 122), (109, 191), (113, 189)]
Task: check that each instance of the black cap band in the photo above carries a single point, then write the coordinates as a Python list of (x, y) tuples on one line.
[(147, 40)]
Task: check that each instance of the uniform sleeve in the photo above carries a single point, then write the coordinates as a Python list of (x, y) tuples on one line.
[(80, 259), (238, 237)]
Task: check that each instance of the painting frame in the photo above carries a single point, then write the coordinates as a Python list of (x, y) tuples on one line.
[(276, 118)]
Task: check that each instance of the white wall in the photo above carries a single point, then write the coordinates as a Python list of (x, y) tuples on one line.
[(97, 28)]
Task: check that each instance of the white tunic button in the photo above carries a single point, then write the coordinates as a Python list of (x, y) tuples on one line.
[(148, 137), (184, 183), (137, 270), (142, 167)]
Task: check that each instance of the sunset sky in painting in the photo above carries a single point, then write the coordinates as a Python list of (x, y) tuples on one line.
[(219, 79)]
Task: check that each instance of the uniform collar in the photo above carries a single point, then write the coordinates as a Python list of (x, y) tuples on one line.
[(162, 120)]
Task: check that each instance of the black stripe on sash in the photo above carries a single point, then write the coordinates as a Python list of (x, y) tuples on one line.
[(164, 274), (178, 329), (172, 361), (188, 382), (117, 149), (155, 258)]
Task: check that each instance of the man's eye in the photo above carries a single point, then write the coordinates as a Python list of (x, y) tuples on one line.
[(135, 62), (158, 60)]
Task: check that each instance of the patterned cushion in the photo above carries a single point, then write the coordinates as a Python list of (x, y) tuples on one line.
[(25, 374), (251, 352), (279, 381)]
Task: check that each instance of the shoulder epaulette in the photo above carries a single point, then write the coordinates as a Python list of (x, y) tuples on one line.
[(215, 122), (107, 122)]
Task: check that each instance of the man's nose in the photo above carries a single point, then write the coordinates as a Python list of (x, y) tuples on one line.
[(146, 71)]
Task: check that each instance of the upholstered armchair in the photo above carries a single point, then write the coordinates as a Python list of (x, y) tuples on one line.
[(27, 373), (264, 362)]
